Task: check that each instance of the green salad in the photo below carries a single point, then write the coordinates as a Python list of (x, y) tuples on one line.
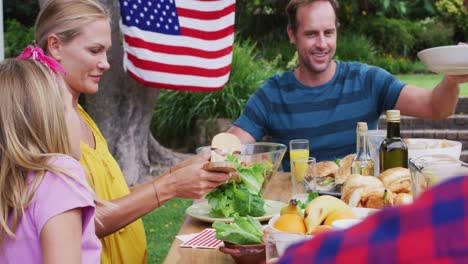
[(244, 231), (244, 197)]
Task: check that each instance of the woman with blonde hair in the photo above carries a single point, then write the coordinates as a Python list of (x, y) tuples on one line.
[(77, 34), (46, 206)]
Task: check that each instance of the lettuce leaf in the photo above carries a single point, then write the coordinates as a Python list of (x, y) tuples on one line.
[(244, 198), (244, 231)]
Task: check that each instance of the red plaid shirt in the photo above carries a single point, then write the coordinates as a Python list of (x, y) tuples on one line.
[(433, 229)]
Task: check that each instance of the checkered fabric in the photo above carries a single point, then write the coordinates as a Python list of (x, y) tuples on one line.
[(433, 229)]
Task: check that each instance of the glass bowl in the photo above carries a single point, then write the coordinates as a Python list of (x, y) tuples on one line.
[(269, 152)]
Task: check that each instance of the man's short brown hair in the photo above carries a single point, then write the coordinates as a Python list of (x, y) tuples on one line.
[(293, 6)]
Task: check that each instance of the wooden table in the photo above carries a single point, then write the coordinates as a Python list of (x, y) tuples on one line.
[(279, 188)]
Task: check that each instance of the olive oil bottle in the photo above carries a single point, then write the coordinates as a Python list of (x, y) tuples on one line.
[(393, 150), (362, 163)]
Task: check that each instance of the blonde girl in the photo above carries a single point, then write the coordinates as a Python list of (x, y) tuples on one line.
[(46, 208)]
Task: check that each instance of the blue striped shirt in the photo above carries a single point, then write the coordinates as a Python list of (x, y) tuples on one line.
[(285, 109)]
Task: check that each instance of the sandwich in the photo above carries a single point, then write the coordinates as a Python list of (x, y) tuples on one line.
[(325, 175), (358, 187), (223, 144)]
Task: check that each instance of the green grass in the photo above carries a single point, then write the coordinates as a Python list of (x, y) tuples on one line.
[(162, 225), (429, 81)]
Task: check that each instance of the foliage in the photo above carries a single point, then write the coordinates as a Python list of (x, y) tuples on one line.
[(390, 35), (282, 51), (17, 37), (177, 111), (432, 33), (394, 65), (24, 11), (354, 47), (454, 11)]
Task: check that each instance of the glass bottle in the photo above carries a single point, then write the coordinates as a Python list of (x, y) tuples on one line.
[(393, 150), (362, 163)]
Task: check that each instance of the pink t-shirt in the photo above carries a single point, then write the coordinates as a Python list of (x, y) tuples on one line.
[(53, 196)]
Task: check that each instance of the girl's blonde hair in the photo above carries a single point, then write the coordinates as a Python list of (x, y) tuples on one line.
[(32, 131), (66, 18)]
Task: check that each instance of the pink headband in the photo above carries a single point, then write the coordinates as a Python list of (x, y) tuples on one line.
[(37, 54)]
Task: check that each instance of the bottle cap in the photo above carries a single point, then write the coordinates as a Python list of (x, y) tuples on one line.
[(393, 116), (361, 127)]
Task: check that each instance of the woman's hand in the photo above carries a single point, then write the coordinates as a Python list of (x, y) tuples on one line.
[(193, 181)]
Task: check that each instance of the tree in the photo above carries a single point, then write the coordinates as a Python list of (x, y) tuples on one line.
[(123, 110)]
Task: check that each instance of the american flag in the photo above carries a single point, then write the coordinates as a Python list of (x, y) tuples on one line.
[(178, 44)]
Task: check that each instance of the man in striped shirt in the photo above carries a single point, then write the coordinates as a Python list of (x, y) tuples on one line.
[(323, 99)]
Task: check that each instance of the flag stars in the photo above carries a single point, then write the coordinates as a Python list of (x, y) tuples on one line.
[(157, 15)]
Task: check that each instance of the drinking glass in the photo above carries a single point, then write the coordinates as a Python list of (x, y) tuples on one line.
[(303, 178), (298, 148), (374, 139), (429, 170), (276, 244)]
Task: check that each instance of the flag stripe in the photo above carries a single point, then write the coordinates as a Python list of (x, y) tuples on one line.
[(211, 25), (204, 5), (205, 35), (177, 79), (208, 45), (176, 50), (206, 15), (172, 86), (177, 69), (175, 59)]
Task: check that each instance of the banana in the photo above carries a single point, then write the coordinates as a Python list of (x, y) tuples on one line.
[(319, 208)]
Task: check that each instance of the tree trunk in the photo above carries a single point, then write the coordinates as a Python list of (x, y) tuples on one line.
[(123, 109)]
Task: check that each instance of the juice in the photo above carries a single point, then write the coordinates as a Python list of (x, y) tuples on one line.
[(301, 167)]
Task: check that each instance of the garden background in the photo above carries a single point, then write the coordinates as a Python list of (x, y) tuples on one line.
[(384, 33)]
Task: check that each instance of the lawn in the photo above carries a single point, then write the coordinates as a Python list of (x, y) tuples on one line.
[(162, 224), (429, 81)]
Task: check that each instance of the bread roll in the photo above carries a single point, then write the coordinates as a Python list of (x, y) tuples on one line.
[(398, 180), (403, 198), (227, 143), (354, 188), (377, 197), (344, 171)]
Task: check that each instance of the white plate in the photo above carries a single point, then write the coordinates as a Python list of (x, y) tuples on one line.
[(448, 60), (201, 211)]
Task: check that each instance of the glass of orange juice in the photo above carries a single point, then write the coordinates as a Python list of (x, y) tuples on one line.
[(298, 148)]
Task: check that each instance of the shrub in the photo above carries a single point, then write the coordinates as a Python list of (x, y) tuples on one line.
[(17, 37), (177, 111), (392, 36), (354, 47), (432, 33)]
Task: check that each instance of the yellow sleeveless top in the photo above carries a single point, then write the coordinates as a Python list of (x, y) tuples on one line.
[(128, 245)]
